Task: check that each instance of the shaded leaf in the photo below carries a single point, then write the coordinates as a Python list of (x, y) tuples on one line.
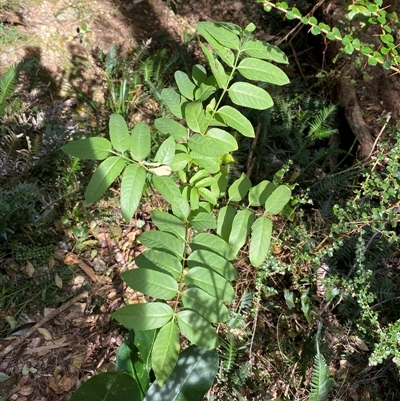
[(197, 329), (171, 127), (211, 282), (169, 223), (159, 260), (191, 378), (108, 386), (207, 306), (88, 148)]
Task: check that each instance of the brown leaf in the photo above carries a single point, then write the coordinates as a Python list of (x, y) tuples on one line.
[(72, 259), (65, 383), (58, 281), (161, 171), (45, 333), (27, 389), (30, 269)]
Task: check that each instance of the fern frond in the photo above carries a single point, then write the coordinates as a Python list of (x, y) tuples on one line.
[(111, 60), (7, 86), (147, 69), (320, 383), (229, 354), (321, 125)]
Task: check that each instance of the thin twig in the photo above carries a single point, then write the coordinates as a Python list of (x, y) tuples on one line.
[(18, 342), (250, 161), (379, 135)]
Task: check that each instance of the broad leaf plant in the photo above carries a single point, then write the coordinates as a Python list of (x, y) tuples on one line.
[(187, 269)]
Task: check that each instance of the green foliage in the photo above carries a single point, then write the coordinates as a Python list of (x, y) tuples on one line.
[(8, 81), (19, 207), (320, 381), (131, 82), (366, 13), (185, 270)]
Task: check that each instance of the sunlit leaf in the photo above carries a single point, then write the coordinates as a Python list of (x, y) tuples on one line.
[(133, 180), (165, 351), (119, 134), (260, 240), (144, 316), (103, 177)]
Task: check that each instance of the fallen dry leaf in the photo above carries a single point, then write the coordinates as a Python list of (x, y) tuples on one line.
[(58, 281), (30, 270), (66, 383), (45, 333), (53, 385), (27, 389), (72, 259)]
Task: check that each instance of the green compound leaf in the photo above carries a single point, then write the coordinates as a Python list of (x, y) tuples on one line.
[(191, 378), (264, 50), (239, 188), (204, 304), (211, 282), (88, 148), (173, 101), (108, 386), (278, 199), (204, 92), (199, 74), (260, 240), (103, 177), (180, 207), (167, 187), (165, 351), (215, 143), (180, 161), (236, 120), (166, 152), (185, 85), (169, 223), (151, 282), (260, 193), (195, 117), (133, 180), (144, 316), (171, 127), (158, 260), (197, 329), (213, 243), (216, 67), (248, 95), (211, 164), (224, 221), (259, 70), (220, 32), (162, 241), (119, 134), (210, 260), (203, 221), (207, 195), (140, 141), (240, 229)]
